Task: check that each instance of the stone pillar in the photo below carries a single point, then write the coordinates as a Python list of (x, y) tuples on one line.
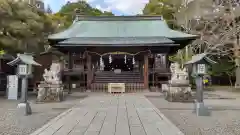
[(24, 107), (89, 71), (199, 93), (199, 108), (146, 81)]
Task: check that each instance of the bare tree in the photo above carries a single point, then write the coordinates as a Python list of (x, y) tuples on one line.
[(218, 24)]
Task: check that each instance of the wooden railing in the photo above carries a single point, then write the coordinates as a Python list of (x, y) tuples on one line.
[(162, 70), (129, 87), (74, 71)]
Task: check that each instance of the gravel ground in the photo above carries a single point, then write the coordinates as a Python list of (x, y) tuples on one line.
[(224, 119), (13, 124)]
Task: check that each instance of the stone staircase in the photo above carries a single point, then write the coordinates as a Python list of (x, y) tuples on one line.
[(123, 77), (133, 80)]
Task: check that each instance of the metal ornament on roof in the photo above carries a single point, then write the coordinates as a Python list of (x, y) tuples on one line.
[(125, 59), (133, 60), (110, 59), (101, 63)]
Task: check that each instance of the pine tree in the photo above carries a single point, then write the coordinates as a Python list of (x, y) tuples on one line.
[(49, 10)]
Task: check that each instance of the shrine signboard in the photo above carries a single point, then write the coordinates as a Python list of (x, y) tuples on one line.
[(12, 86)]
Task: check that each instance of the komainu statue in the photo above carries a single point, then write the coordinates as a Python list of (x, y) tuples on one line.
[(51, 88), (178, 88)]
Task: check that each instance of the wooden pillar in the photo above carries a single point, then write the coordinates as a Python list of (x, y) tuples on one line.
[(167, 65), (153, 70), (146, 81), (89, 71), (69, 69)]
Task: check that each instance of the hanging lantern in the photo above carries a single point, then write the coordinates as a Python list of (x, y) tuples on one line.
[(125, 59), (133, 60), (110, 59)]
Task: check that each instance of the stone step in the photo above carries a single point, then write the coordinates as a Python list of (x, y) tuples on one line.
[(111, 77), (117, 81)]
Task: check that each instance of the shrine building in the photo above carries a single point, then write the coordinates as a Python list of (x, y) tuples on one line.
[(118, 49)]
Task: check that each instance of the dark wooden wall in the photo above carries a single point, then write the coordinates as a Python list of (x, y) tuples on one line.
[(5, 70)]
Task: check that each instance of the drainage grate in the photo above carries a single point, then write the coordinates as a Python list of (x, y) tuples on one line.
[(154, 96), (60, 108)]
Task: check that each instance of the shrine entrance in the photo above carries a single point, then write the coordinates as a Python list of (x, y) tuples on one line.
[(139, 38), (119, 62)]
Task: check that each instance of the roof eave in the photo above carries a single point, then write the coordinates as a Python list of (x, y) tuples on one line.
[(202, 56), (192, 37), (120, 45), (119, 18), (210, 61), (12, 63)]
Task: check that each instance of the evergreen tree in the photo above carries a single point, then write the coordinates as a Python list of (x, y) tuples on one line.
[(49, 10)]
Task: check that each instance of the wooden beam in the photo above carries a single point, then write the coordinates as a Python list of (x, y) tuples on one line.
[(146, 77)]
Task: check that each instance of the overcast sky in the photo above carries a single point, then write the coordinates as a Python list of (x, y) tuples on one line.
[(118, 7)]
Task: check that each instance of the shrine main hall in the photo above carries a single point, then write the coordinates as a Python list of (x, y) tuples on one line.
[(131, 50)]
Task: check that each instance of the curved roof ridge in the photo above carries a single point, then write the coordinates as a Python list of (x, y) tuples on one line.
[(118, 18), (121, 26)]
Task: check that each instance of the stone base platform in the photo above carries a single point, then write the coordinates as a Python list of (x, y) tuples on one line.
[(177, 92), (50, 93)]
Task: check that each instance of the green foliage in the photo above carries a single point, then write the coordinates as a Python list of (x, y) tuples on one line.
[(159, 7), (2, 52), (23, 27), (165, 8), (169, 9), (180, 57), (67, 12), (58, 22), (223, 67)]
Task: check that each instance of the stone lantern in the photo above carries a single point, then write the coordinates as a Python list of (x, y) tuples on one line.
[(199, 65), (24, 64)]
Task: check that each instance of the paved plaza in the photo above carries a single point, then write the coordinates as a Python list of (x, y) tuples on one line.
[(111, 115)]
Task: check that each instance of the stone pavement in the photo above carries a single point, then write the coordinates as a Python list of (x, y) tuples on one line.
[(111, 115)]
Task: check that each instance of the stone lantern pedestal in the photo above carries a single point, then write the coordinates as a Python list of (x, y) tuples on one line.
[(199, 66), (51, 89), (178, 88)]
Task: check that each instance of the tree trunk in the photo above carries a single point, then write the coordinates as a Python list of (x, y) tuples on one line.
[(230, 80), (237, 62), (186, 53), (237, 70), (237, 83)]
